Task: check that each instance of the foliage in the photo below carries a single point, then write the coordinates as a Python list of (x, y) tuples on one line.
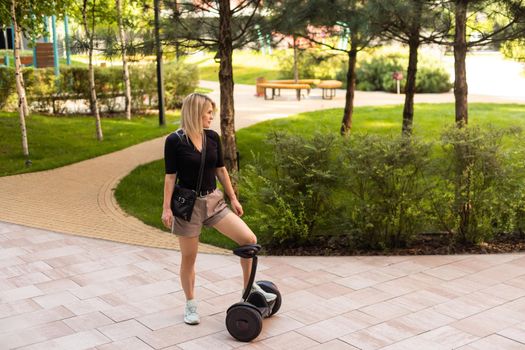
[(487, 196), (514, 49), (313, 63), (46, 93), (380, 193), (7, 85), (179, 81), (294, 187), (27, 11), (375, 74), (386, 204)]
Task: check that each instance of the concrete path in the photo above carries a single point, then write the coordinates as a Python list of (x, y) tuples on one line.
[(78, 199), (64, 292)]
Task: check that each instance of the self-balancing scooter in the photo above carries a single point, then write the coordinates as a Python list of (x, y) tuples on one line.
[(244, 319)]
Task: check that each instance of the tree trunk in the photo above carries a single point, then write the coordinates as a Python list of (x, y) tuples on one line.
[(410, 88), (227, 111), (93, 94), (346, 125), (460, 55), (295, 58), (19, 84), (160, 73), (18, 35), (125, 69)]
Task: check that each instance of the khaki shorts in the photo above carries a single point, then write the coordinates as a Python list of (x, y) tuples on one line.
[(208, 210)]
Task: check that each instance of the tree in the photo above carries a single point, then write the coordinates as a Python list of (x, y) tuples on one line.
[(25, 15), (412, 22), (125, 70), (471, 30), (20, 89), (338, 18), (215, 25), (291, 17), (89, 10)]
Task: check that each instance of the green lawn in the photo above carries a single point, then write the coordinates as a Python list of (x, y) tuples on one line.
[(139, 193), (247, 66), (57, 141), (241, 74)]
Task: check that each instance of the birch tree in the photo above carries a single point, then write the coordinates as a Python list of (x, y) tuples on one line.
[(125, 70), (20, 89), (26, 15), (89, 10)]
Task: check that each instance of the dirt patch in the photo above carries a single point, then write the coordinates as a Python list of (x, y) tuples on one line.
[(425, 244)]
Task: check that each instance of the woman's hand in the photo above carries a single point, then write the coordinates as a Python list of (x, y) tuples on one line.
[(167, 218), (237, 207)]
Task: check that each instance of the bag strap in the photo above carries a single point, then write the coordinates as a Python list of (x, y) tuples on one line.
[(203, 160)]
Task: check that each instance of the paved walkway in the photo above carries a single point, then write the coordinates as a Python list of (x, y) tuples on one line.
[(72, 293), (64, 292)]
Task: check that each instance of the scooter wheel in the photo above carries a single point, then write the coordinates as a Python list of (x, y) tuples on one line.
[(243, 322), (270, 287)]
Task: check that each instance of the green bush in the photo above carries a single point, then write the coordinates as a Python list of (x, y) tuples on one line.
[(312, 64), (480, 189), (372, 192), (40, 86), (387, 202), (375, 74), (179, 81), (7, 85), (144, 88), (294, 189), (46, 92)]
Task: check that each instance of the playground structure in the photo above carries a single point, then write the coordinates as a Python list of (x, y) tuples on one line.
[(45, 52)]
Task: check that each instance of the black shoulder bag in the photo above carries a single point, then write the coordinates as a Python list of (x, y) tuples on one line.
[(183, 199)]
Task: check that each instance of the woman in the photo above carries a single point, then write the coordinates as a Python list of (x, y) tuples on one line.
[(182, 157)]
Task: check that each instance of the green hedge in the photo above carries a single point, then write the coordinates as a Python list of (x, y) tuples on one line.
[(45, 91), (374, 192), (375, 74)]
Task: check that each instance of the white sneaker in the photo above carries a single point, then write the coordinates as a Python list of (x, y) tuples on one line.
[(190, 312), (268, 296)]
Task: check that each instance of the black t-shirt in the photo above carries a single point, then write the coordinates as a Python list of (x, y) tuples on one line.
[(182, 158)]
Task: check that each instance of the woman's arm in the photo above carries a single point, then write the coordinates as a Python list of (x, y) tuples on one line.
[(169, 185), (224, 179)]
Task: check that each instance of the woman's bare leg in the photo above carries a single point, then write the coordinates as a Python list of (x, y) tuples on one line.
[(188, 250), (236, 229)]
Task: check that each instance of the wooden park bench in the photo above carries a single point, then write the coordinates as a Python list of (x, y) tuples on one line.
[(328, 87), (299, 81), (277, 86)]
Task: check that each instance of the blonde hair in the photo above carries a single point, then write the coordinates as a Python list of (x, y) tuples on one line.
[(193, 108)]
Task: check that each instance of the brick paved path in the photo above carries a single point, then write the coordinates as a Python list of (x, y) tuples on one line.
[(63, 292)]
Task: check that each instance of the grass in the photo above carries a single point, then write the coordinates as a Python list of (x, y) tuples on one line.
[(241, 74), (58, 141), (247, 67), (140, 193)]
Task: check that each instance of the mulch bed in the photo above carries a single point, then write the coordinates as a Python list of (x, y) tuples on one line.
[(425, 244)]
